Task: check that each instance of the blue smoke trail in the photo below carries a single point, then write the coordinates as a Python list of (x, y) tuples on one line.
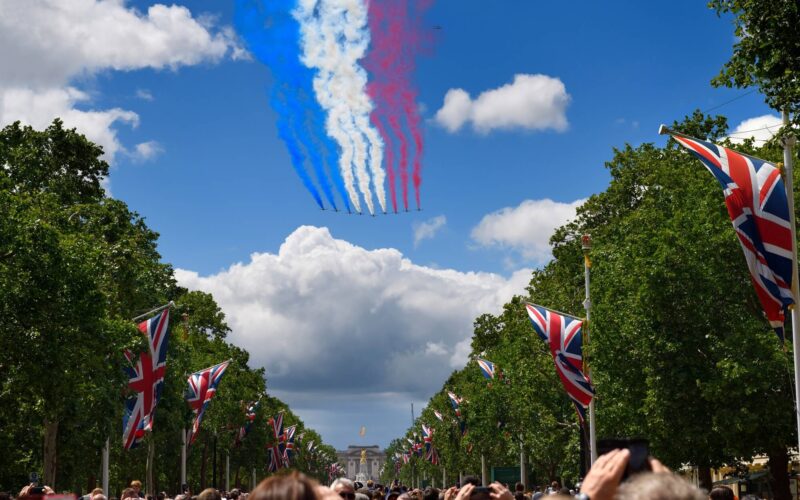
[(272, 36)]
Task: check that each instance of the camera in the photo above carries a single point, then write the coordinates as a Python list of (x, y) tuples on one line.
[(639, 448)]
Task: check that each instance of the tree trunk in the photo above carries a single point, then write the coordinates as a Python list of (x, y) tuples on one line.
[(50, 457), (779, 470), (704, 477), (151, 456)]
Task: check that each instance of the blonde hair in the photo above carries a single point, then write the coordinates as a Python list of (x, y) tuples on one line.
[(658, 486)]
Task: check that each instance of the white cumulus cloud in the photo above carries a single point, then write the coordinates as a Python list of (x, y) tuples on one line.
[(526, 228), (145, 151), (760, 128), (46, 45), (428, 229), (323, 312), (531, 102)]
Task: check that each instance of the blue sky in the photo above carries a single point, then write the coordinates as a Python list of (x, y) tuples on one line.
[(215, 181)]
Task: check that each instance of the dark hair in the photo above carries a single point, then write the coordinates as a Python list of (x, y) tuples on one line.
[(721, 493), (294, 486), (519, 487), (471, 480), (519, 496), (234, 494), (430, 494)]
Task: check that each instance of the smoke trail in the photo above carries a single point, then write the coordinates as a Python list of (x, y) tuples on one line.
[(333, 38), (388, 155), (272, 36), (396, 40)]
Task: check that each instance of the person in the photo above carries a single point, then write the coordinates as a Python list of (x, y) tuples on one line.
[(344, 488), (234, 494), (129, 493), (603, 481), (430, 493), (721, 493), (294, 486), (137, 488), (537, 494), (209, 494)]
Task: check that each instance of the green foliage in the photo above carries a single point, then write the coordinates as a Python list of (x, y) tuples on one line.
[(767, 50), (75, 266)]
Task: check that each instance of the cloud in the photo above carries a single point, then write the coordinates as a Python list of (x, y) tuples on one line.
[(428, 229), (46, 45), (144, 94), (761, 128), (39, 108), (530, 102), (526, 228), (145, 151), (322, 312)]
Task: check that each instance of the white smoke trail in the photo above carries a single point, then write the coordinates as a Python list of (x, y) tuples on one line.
[(334, 36)]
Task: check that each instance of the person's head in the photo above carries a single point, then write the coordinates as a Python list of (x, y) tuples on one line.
[(519, 486), (393, 493), (430, 494), (471, 480), (294, 486), (130, 492), (721, 493), (555, 485), (161, 495), (655, 486), (137, 486), (234, 494), (344, 488), (519, 495), (209, 494)]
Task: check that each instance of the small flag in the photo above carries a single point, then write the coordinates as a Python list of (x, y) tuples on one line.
[(563, 336), (487, 368), (202, 387)]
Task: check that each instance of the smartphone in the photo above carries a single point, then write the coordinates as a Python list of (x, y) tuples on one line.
[(638, 447)]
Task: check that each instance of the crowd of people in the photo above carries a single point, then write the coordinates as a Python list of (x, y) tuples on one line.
[(608, 479)]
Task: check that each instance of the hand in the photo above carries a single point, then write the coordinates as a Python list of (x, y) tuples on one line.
[(450, 493), (499, 492), (603, 478), (657, 467), (465, 492)]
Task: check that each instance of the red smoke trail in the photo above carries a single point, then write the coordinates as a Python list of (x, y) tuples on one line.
[(397, 36)]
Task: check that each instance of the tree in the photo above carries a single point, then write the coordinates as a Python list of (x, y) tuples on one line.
[(767, 50)]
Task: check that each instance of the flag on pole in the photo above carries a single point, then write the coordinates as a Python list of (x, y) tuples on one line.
[(563, 336), (132, 423), (202, 387), (250, 414), (438, 415), (759, 210), (288, 452), (275, 453), (156, 330), (487, 368)]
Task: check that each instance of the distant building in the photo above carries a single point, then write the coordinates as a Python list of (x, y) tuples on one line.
[(350, 459)]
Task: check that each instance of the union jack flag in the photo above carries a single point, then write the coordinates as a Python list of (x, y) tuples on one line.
[(427, 437), (438, 415), (455, 401), (156, 330), (146, 380), (487, 367), (757, 205), (274, 459), (250, 414), (563, 336), (276, 452), (289, 450), (202, 387), (132, 423)]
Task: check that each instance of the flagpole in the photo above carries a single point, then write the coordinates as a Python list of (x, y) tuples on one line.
[(183, 457), (153, 311), (106, 450), (586, 245), (788, 144)]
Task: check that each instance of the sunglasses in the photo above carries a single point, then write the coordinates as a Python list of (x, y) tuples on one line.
[(349, 496)]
